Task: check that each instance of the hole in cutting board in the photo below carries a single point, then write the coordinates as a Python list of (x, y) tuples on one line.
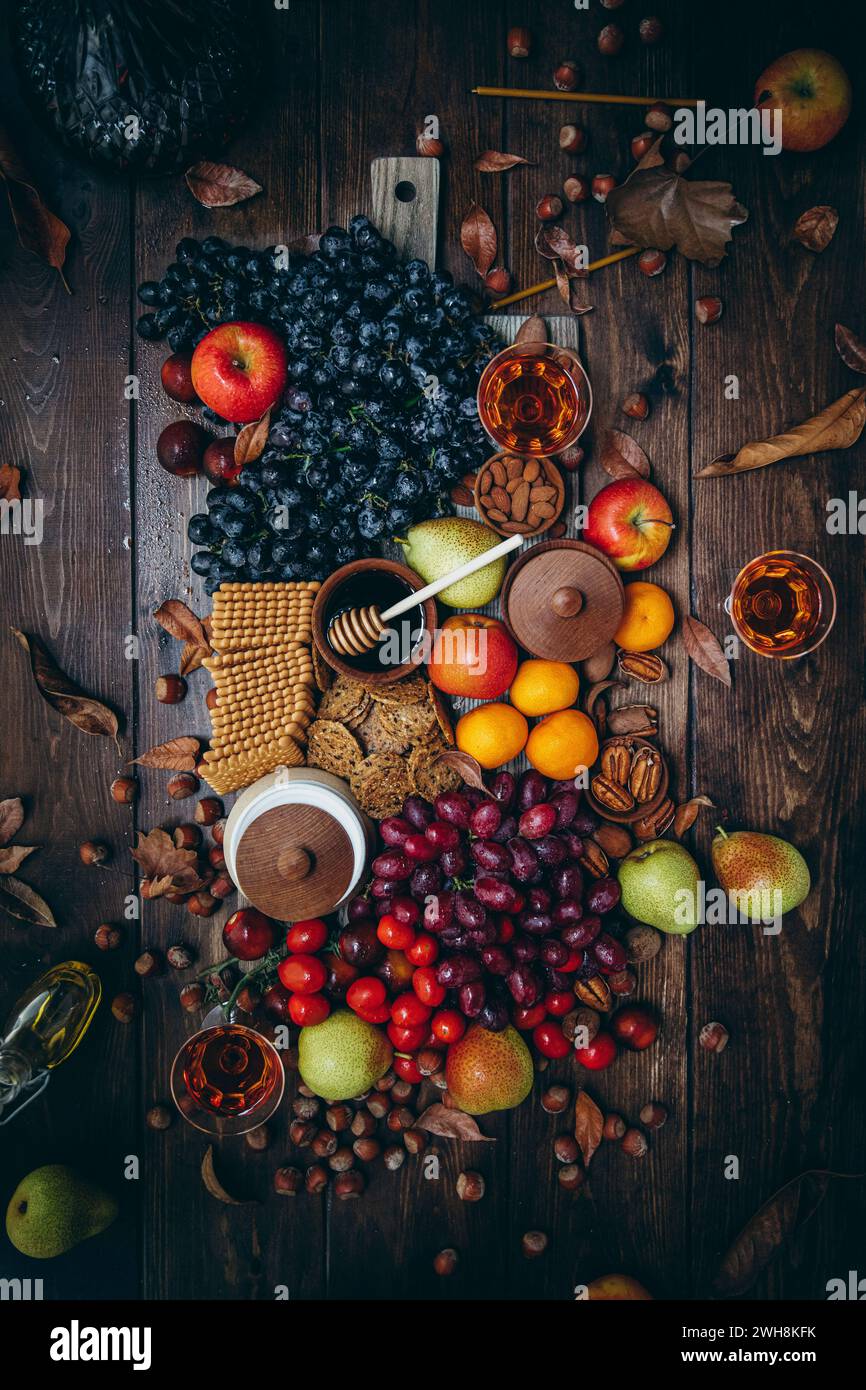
[(405, 192)]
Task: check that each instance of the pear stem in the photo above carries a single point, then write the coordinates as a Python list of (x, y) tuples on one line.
[(720, 831)]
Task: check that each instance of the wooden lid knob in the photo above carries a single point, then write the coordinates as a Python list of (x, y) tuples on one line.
[(567, 602), (293, 864)]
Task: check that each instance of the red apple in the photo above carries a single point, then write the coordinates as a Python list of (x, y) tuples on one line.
[(176, 374), (813, 93), (239, 370), (249, 934), (473, 656), (631, 522)]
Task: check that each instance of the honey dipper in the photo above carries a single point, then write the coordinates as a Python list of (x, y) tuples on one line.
[(358, 630)]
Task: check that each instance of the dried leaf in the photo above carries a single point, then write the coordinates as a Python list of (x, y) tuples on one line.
[(13, 856), (704, 649), (451, 1124), (251, 440), (493, 162), (89, 715), (687, 814), (588, 1126), (163, 863), (37, 227), (468, 767), (179, 621), (622, 456), (771, 1228), (20, 900), (568, 290), (220, 185), (555, 244), (657, 208), (305, 245), (814, 229), (837, 427), (10, 483), (850, 348), (213, 1184), (532, 330), (642, 720), (478, 239), (11, 818), (177, 755)]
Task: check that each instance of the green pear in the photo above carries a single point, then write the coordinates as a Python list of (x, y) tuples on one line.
[(660, 886), (53, 1209), (432, 548), (343, 1056), (753, 868)]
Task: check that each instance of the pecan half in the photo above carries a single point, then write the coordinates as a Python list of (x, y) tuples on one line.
[(611, 794), (657, 822), (643, 666), (646, 775), (616, 762), (595, 993), (640, 720), (614, 839), (594, 859)]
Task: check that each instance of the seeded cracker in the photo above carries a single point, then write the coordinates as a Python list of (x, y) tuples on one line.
[(333, 748), (375, 737), (406, 692), (381, 784), (428, 776), (347, 702), (322, 671), (408, 723), (440, 709)]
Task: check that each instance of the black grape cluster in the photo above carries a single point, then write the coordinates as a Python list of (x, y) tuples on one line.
[(379, 417)]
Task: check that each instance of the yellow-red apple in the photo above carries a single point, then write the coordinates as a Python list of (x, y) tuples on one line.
[(473, 656), (239, 370), (617, 1286), (813, 93), (631, 522)]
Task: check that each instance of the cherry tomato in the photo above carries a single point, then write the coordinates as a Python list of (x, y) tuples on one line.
[(424, 949), (575, 959), (407, 1039), (407, 1069), (380, 1014), (527, 1019), (550, 1040), (448, 1026), (306, 1010), (309, 935), (599, 1054), (559, 1002), (427, 987), (506, 931), (302, 974), (409, 1011), (366, 993), (396, 934)]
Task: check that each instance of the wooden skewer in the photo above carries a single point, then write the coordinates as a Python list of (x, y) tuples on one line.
[(358, 630), (601, 98), (551, 284)]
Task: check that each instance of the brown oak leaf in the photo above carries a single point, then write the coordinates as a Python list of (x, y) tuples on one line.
[(164, 864), (179, 621), (622, 456), (38, 229), (177, 755), (451, 1124), (554, 243), (850, 348), (468, 767), (763, 1237), (13, 856), (251, 440), (494, 162), (814, 229), (220, 185), (10, 483), (704, 649), (838, 426), (20, 900), (89, 715), (11, 818), (567, 286), (588, 1126), (657, 208), (478, 239)]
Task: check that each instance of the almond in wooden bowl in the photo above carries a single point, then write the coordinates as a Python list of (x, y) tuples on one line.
[(630, 780), (519, 495)]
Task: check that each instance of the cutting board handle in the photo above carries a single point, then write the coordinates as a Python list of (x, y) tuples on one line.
[(405, 195)]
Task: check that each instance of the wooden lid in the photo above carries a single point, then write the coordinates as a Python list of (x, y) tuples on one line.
[(294, 861), (563, 600)]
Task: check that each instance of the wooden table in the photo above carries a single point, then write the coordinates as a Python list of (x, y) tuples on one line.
[(783, 751)]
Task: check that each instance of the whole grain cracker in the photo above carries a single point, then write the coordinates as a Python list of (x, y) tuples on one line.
[(427, 775), (380, 784), (333, 748)]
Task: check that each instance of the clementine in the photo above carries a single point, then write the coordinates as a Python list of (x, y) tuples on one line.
[(563, 743), (492, 733), (541, 687), (647, 619)]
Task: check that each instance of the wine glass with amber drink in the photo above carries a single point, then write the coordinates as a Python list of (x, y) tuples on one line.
[(534, 399), (782, 604), (227, 1079)]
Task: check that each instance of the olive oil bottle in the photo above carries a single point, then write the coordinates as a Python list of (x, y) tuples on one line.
[(45, 1027)]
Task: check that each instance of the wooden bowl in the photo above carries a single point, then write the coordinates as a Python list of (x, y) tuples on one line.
[(552, 477), (646, 808), (356, 586)]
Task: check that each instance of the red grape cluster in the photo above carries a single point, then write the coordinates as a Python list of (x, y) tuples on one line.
[(484, 893)]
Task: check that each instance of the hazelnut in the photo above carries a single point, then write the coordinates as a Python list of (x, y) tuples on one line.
[(636, 405), (577, 189), (651, 29), (182, 785), (555, 1099), (106, 937), (384, 1084), (217, 830), (378, 1105), (634, 1143), (652, 262), (366, 1149), (541, 1064), (247, 999), (192, 997), (179, 957), (570, 459), (176, 895), (640, 144), (158, 1117), (572, 139), (400, 1118), (211, 699), (612, 4), (533, 1244), (470, 1186), (402, 1091), (439, 1080), (549, 208), (217, 858), (201, 904), (325, 1143), (611, 40), (170, 690), (341, 1160), (602, 185), (659, 118), (316, 1178), (350, 1184), (186, 836), (363, 1124), (428, 145), (614, 1127), (302, 1133), (394, 1156), (571, 1177), (653, 1115), (222, 887), (642, 943), (566, 76), (622, 982), (338, 1117), (208, 811), (565, 1148), (708, 309), (498, 280), (123, 1007), (221, 981), (124, 790), (94, 852), (258, 1139), (519, 42), (581, 1018), (681, 162), (415, 1140), (446, 1262), (428, 1060), (288, 1181), (148, 964), (714, 1037), (305, 1108)]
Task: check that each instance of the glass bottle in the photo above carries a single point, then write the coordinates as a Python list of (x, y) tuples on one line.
[(44, 1028)]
